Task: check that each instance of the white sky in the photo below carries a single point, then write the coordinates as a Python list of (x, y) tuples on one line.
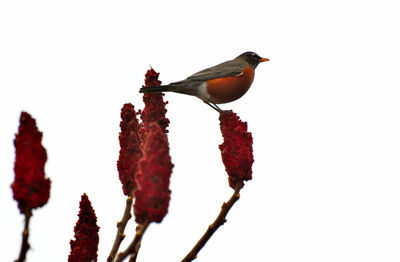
[(324, 113)]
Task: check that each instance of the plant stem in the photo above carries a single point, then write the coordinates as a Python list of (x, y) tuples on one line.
[(133, 248), (121, 228), (25, 235), (219, 221), (133, 256)]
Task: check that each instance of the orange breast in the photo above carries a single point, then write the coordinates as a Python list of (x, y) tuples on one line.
[(228, 89)]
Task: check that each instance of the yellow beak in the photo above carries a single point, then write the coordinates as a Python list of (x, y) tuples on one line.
[(263, 60)]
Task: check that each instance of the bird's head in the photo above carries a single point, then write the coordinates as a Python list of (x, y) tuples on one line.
[(252, 58)]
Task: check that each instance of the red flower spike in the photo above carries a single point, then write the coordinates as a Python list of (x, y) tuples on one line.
[(154, 110), (237, 148), (31, 189), (152, 196), (84, 247), (130, 152)]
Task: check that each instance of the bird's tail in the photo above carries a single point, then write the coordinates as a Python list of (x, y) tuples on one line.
[(157, 89)]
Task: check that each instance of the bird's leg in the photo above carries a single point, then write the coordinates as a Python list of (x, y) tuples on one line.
[(218, 109), (214, 106)]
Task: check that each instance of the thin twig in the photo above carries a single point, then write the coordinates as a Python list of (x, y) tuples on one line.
[(25, 235), (121, 228), (133, 248), (133, 256), (219, 221)]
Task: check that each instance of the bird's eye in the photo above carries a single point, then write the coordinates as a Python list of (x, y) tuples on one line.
[(255, 56)]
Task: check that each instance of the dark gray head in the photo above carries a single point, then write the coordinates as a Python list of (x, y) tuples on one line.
[(252, 58)]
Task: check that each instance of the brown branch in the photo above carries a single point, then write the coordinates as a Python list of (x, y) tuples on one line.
[(219, 221), (25, 235), (121, 228), (133, 248), (133, 256)]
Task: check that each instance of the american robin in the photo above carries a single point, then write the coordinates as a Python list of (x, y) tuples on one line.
[(219, 84)]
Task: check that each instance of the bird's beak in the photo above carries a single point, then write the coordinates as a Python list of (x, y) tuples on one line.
[(263, 60)]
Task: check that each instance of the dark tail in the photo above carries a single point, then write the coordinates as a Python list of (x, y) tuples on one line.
[(157, 89)]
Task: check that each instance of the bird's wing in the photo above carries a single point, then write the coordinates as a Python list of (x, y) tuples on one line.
[(225, 69)]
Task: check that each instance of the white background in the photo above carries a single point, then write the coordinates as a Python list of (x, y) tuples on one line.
[(324, 114)]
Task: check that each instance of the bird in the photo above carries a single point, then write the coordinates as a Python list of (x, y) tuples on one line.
[(220, 84)]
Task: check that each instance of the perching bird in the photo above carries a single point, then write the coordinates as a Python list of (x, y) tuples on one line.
[(223, 83)]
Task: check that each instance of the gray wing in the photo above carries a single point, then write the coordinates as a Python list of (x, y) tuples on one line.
[(225, 69)]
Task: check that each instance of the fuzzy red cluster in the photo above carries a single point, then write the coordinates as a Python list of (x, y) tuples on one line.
[(130, 148), (237, 148), (84, 247), (153, 194), (31, 189), (154, 110)]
